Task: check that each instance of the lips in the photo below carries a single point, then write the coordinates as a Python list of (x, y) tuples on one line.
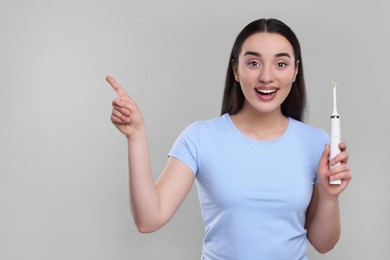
[(266, 91)]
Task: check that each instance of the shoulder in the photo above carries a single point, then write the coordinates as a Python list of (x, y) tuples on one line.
[(308, 131), (209, 125), (195, 136), (312, 139)]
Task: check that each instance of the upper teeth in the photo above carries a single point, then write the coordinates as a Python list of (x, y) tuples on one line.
[(266, 91)]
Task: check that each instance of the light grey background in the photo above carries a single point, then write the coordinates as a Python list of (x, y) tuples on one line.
[(63, 167)]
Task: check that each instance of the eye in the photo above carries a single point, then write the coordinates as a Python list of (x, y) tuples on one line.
[(253, 64), (281, 64)]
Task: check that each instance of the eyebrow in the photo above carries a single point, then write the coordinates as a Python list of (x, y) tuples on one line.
[(258, 54)]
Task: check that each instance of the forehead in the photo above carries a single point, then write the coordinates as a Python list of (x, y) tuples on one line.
[(267, 43)]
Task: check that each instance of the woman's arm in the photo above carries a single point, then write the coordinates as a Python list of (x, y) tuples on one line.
[(152, 204), (323, 214), (323, 222)]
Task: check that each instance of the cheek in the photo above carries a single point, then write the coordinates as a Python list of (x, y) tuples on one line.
[(287, 79), (246, 75)]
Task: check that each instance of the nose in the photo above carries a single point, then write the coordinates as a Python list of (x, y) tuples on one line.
[(266, 74)]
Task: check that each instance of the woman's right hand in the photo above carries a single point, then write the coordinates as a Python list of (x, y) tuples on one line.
[(125, 115)]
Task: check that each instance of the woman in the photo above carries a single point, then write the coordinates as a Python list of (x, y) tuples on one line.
[(262, 175)]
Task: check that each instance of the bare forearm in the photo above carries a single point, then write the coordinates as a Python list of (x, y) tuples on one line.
[(324, 229), (151, 204), (144, 198)]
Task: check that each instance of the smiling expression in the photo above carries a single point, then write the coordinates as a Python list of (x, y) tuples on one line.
[(266, 69)]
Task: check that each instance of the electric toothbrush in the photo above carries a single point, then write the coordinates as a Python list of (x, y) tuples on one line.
[(335, 133)]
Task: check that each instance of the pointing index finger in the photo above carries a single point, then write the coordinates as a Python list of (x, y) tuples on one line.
[(118, 89)]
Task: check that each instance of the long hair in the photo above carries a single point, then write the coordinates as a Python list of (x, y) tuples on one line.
[(233, 98)]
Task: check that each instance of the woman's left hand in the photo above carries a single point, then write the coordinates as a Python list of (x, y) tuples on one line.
[(340, 172)]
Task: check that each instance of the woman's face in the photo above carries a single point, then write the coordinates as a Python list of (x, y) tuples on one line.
[(266, 69)]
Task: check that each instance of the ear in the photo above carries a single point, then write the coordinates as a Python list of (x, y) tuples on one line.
[(296, 70), (234, 68)]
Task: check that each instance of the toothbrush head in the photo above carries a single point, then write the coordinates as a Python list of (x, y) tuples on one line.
[(334, 83)]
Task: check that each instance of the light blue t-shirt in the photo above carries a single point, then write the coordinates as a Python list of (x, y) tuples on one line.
[(253, 194)]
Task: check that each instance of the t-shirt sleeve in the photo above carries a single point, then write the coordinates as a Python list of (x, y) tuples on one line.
[(185, 147)]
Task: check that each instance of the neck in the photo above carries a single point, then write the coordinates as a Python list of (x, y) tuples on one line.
[(261, 126)]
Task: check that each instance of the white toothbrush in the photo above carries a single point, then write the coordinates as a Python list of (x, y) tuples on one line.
[(335, 134)]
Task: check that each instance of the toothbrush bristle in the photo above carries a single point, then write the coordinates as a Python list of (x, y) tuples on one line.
[(334, 83)]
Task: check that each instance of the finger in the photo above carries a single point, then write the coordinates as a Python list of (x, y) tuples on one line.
[(118, 117), (344, 175), (126, 107), (118, 121), (125, 103), (118, 89), (343, 146), (324, 157), (120, 112), (338, 169), (124, 110), (342, 157)]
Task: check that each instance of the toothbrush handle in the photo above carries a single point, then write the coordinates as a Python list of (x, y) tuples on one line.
[(335, 139)]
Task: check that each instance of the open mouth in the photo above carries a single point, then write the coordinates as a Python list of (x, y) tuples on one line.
[(266, 92)]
